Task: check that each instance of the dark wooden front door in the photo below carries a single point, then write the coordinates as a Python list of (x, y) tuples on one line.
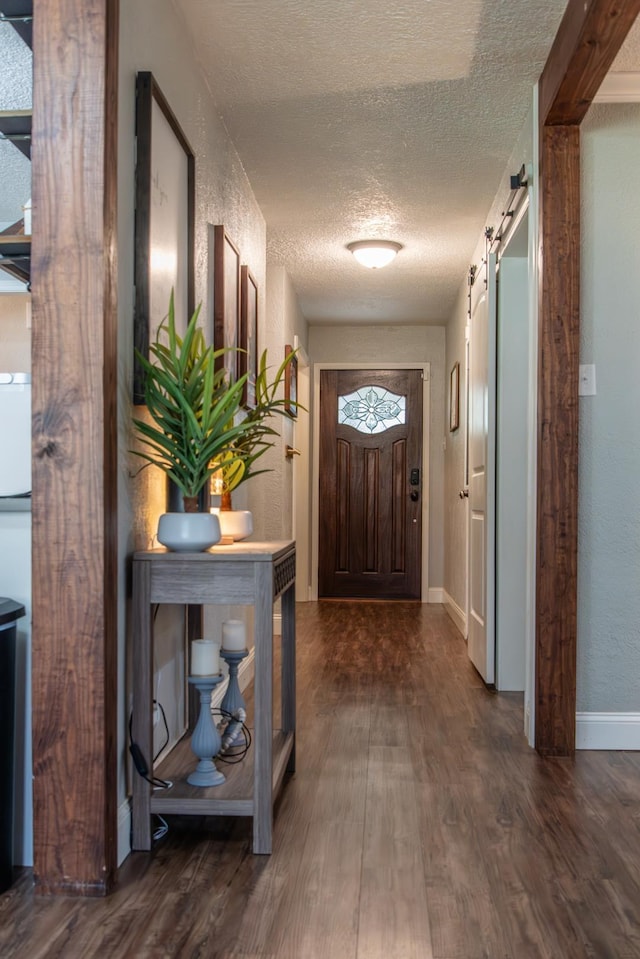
[(370, 484)]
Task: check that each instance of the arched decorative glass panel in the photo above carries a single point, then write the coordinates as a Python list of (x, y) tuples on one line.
[(372, 409)]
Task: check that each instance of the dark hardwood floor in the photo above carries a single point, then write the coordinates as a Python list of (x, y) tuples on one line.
[(419, 825)]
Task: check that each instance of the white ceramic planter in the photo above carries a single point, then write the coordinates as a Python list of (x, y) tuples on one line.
[(188, 532), (235, 523)]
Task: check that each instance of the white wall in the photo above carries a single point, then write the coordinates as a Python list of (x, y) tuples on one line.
[(400, 344), (455, 509), (272, 493), (512, 466), (608, 678), (159, 42)]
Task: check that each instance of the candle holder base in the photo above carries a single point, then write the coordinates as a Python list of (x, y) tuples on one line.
[(206, 774), (205, 741)]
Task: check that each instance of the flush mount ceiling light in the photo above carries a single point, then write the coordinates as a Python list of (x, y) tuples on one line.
[(374, 253)]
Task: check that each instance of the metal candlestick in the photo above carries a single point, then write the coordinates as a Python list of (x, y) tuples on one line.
[(205, 740), (233, 702)]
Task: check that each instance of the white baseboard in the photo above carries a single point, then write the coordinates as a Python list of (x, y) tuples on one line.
[(246, 672), (436, 594), (608, 731), (456, 613)]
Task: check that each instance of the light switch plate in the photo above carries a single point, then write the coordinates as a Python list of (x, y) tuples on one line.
[(587, 380)]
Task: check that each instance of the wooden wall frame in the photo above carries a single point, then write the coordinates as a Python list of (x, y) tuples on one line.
[(291, 382), (164, 221), (226, 299), (248, 358), (588, 39), (454, 397), (75, 450)]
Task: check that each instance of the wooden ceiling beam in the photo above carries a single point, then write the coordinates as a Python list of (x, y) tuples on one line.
[(588, 40)]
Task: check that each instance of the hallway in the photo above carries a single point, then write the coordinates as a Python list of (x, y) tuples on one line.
[(419, 824)]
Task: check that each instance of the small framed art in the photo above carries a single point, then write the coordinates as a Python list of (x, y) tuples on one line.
[(164, 218), (248, 359), (291, 383), (454, 398), (226, 298)]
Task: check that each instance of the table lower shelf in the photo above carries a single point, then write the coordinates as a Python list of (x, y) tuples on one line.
[(233, 798)]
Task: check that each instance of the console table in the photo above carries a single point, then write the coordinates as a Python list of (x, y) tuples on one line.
[(241, 574)]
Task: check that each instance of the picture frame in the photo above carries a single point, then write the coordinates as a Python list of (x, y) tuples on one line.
[(164, 222), (291, 383), (248, 358), (454, 398), (226, 299)]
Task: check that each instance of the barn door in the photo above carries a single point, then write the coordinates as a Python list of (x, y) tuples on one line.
[(370, 484), (482, 473)]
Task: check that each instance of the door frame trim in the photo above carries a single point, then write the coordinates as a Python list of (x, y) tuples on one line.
[(301, 466), (425, 368)]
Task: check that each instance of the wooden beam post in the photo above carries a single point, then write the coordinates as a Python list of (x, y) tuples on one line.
[(588, 39), (74, 366), (557, 528)]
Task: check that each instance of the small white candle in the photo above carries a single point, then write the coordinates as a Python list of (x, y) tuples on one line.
[(234, 636), (205, 657)]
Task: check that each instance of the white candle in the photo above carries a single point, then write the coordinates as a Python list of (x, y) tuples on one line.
[(205, 657), (234, 636)]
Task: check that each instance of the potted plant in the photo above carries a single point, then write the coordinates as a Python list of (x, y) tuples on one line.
[(237, 464), (192, 409), (196, 426)]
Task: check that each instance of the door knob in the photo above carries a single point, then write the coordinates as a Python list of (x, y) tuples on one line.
[(414, 495), (464, 494)]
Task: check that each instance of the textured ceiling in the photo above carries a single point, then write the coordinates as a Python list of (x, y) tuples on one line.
[(373, 118)]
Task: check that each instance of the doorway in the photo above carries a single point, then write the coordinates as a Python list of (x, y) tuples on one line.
[(503, 553), (371, 483)]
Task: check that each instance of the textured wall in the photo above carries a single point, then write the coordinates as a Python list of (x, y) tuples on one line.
[(223, 194), (609, 520), (400, 344), (160, 43), (271, 495), (455, 510)]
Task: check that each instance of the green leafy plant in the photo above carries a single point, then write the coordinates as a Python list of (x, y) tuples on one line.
[(192, 407), (237, 464), (198, 426)]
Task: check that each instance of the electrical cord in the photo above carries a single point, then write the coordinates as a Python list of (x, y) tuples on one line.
[(231, 760), (142, 768), (162, 829), (138, 758), (156, 702)]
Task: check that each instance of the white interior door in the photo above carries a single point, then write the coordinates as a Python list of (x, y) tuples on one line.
[(511, 469), (482, 403)]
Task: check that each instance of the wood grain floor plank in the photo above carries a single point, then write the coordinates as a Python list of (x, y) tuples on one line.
[(418, 824), (321, 914)]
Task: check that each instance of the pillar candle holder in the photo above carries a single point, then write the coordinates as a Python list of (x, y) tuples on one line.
[(205, 740), (233, 702)]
